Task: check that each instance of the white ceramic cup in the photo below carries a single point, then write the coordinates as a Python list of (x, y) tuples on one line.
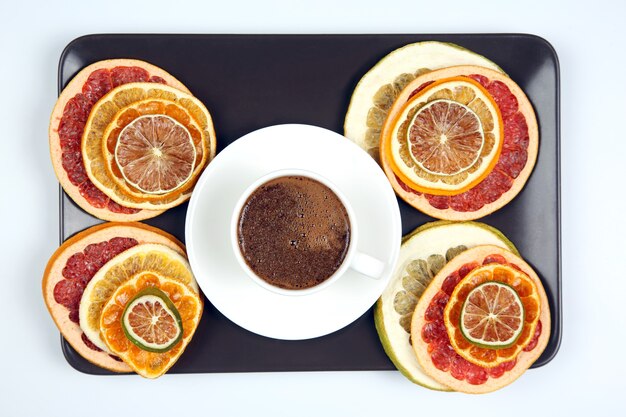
[(365, 264)]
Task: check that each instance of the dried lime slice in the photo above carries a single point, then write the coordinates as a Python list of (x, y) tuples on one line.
[(155, 154), (492, 316), (152, 322)]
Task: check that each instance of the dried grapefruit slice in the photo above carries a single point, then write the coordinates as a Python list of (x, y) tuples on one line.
[(119, 108), (150, 362), (74, 264), (67, 124), (447, 138), (422, 254), (378, 88), (430, 340), (153, 258), (491, 325), (514, 165)]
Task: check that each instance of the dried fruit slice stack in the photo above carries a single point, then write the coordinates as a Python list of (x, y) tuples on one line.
[(423, 253), (482, 321), (94, 275), (462, 311), (128, 140), (456, 137)]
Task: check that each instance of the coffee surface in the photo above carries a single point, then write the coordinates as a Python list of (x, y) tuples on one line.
[(293, 232)]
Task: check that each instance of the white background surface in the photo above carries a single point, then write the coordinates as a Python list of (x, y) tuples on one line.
[(587, 375)]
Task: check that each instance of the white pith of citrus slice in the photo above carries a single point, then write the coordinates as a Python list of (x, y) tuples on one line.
[(155, 154), (447, 138), (492, 315), (422, 252), (147, 257)]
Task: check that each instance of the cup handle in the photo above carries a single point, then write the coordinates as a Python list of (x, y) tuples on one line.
[(367, 265)]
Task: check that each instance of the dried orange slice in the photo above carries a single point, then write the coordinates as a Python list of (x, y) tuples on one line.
[(118, 109), (155, 154), (492, 314), (447, 138), (147, 363)]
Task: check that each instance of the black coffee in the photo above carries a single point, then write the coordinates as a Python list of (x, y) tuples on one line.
[(294, 232)]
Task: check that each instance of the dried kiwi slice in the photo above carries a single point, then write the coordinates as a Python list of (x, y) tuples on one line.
[(422, 254)]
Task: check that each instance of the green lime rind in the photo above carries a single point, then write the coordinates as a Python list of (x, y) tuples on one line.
[(438, 223), (396, 353), (155, 292), (382, 334), (450, 44), (459, 47), (493, 345)]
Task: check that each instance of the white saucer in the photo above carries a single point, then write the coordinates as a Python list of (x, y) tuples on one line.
[(211, 256)]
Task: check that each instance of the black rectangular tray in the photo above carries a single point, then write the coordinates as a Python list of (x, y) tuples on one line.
[(252, 81)]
